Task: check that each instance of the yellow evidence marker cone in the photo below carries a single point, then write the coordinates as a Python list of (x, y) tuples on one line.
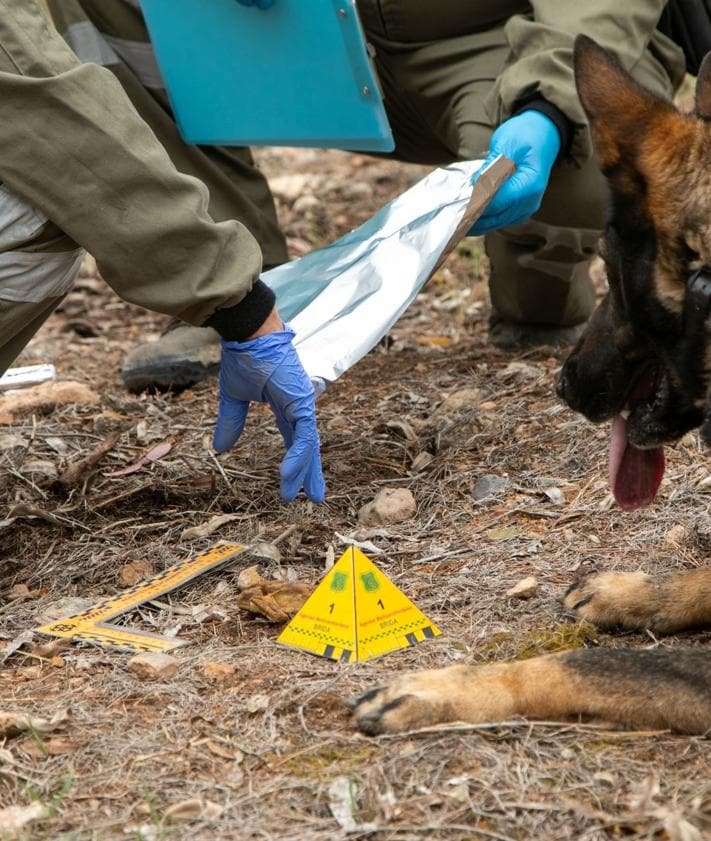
[(356, 613)]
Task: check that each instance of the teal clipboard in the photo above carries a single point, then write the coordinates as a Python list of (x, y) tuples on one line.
[(297, 74)]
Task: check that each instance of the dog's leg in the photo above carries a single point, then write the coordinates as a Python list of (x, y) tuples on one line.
[(636, 601), (659, 689)]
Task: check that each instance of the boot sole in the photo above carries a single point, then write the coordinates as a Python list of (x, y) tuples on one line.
[(170, 375)]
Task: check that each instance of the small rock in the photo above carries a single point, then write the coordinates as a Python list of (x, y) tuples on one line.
[(490, 487), (457, 419), (218, 672), (356, 190), (305, 203), (289, 187), (62, 608), (248, 577), (256, 703), (676, 535), (458, 402), (391, 505), (135, 571), (519, 371), (525, 588), (20, 591), (153, 665)]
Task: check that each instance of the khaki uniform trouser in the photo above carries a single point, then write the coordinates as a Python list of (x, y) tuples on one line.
[(435, 94)]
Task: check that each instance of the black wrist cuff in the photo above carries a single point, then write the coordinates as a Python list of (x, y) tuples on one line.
[(237, 323), (561, 122)]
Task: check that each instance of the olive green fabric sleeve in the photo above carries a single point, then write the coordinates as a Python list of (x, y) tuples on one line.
[(76, 149), (540, 62)]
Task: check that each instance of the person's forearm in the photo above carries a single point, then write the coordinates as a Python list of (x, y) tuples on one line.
[(75, 148), (542, 47)]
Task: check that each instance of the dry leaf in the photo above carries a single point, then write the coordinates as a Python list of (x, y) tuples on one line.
[(152, 455), (20, 640), (262, 549), (505, 533), (10, 440), (218, 671), (50, 649), (278, 601), (679, 829), (556, 495), (56, 746), (22, 509), (135, 571), (12, 724), (41, 468), (224, 752), (13, 819), (343, 803), (203, 612), (435, 341), (208, 528), (194, 809), (365, 545)]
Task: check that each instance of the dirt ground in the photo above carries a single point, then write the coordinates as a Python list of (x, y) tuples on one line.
[(248, 740)]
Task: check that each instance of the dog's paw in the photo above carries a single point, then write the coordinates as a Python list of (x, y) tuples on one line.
[(625, 600), (408, 703)]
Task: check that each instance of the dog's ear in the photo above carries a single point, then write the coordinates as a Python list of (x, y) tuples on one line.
[(618, 108), (703, 89)]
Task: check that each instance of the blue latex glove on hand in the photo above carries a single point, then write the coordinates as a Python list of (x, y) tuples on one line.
[(260, 4), (532, 141), (268, 370)]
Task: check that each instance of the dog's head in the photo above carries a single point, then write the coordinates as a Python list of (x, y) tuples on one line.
[(644, 359)]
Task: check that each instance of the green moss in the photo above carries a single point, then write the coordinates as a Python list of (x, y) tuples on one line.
[(313, 764), (561, 637)]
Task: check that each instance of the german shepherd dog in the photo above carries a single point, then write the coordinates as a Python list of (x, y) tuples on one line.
[(644, 362)]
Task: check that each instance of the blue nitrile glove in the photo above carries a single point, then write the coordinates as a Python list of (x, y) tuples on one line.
[(268, 370), (532, 141), (261, 4)]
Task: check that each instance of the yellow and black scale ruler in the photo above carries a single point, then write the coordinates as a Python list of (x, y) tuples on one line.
[(93, 625)]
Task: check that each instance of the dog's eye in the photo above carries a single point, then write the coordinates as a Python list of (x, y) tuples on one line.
[(692, 257)]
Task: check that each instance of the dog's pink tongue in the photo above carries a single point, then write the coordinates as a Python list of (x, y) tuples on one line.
[(635, 475)]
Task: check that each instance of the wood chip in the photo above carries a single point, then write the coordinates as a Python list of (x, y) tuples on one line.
[(77, 472), (46, 397)]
